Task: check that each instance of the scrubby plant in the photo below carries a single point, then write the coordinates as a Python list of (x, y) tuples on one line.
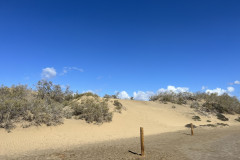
[(173, 107), (195, 105), (211, 102), (196, 118), (77, 96), (92, 111), (222, 124), (33, 107), (237, 119), (208, 125), (189, 126), (118, 106), (221, 117)]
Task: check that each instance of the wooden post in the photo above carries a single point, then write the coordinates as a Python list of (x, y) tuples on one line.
[(191, 129), (142, 141)]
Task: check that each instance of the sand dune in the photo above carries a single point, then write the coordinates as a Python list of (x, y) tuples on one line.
[(154, 117)]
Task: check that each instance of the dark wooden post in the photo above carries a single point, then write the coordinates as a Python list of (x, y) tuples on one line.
[(142, 141), (191, 129)]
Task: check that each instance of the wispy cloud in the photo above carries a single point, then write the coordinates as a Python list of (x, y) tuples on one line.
[(230, 89), (235, 83), (48, 73), (68, 69)]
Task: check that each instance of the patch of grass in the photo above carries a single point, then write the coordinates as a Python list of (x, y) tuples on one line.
[(209, 121)]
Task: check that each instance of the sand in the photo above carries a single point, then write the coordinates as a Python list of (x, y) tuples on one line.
[(156, 118)]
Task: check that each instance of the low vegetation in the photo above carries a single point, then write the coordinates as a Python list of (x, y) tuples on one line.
[(92, 111), (202, 101), (221, 117), (47, 105), (196, 118), (118, 106)]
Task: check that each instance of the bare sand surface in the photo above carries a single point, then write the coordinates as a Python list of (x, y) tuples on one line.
[(206, 144), (154, 117)]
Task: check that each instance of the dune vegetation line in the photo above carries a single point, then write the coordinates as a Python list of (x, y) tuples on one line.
[(49, 104)]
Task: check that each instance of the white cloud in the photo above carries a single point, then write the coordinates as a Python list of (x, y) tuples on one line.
[(236, 82), (67, 69), (219, 91), (142, 96), (123, 95), (48, 73), (230, 89), (174, 89)]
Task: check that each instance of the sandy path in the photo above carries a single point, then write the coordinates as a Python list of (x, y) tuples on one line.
[(206, 144), (155, 118)]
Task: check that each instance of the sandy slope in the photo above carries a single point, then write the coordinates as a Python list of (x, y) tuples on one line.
[(154, 117)]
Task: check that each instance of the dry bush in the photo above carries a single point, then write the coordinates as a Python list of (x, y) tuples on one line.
[(22, 104), (87, 94), (92, 111), (212, 102), (196, 118), (118, 106), (221, 117)]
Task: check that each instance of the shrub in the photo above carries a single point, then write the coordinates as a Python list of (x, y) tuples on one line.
[(237, 119), (21, 104), (196, 118), (173, 107), (221, 117), (195, 105), (222, 124), (77, 96), (208, 125), (189, 126), (92, 111), (118, 106)]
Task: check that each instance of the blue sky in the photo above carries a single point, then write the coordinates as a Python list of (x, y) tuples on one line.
[(122, 45)]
